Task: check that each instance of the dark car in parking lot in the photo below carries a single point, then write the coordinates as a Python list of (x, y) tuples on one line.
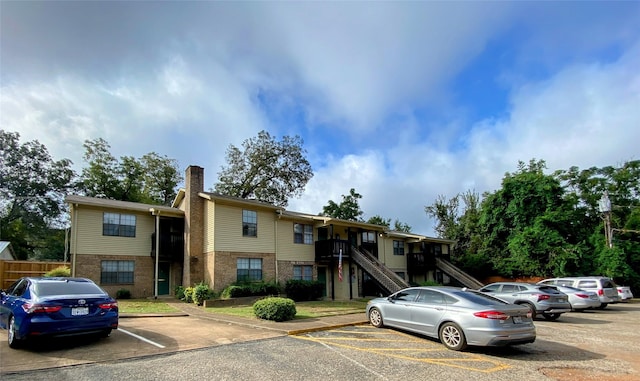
[(457, 316), (37, 307), (541, 299)]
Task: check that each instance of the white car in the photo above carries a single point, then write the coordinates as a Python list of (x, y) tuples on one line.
[(625, 293)]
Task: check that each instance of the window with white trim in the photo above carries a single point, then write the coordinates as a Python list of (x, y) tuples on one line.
[(249, 223), (249, 269), (303, 272), (117, 272), (303, 234), (119, 225), (398, 247), (368, 237)]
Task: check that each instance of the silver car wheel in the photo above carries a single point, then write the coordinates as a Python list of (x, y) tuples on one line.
[(452, 337), (12, 334), (375, 318)]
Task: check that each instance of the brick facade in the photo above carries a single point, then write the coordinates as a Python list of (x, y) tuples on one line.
[(221, 267), (194, 261), (89, 266)]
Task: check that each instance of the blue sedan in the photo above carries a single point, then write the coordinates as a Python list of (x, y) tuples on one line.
[(457, 316), (36, 307)]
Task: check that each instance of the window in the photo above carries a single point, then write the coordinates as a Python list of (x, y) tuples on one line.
[(119, 225), (249, 223), (303, 234), (249, 269), (398, 248), (407, 295), (368, 237), (304, 272), (117, 272), (400, 274)]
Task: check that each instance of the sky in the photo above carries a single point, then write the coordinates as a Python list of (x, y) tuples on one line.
[(402, 101)]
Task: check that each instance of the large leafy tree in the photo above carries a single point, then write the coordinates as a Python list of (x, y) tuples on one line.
[(152, 179), (622, 186), (265, 169), (458, 219), (348, 209), (525, 224), (32, 190)]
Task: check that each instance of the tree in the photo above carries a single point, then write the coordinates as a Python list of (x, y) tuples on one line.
[(397, 224), (32, 190), (525, 224), (348, 209), (379, 220), (151, 179), (401, 226), (265, 170)]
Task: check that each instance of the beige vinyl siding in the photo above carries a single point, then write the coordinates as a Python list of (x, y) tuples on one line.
[(289, 251), (209, 226), (395, 262), (91, 241), (228, 230)]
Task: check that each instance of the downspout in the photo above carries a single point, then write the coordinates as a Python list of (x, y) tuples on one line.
[(74, 228), (155, 286), (275, 228)]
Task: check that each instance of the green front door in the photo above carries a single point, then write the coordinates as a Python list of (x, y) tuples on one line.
[(163, 278), (322, 278)]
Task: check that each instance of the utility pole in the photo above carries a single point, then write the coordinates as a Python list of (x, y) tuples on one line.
[(605, 207)]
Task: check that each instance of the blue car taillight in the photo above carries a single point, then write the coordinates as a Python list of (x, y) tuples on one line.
[(108, 306)]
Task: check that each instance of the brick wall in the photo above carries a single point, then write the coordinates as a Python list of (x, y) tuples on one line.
[(223, 264), (89, 266)]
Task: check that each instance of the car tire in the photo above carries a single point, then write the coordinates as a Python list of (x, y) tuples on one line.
[(452, 337), (12, 334), (375, 318), (603, 306), (106, 333), (531, 308), (551, 317)]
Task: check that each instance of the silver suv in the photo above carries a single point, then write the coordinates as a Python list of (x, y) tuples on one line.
[(605, 287), (540, 299)]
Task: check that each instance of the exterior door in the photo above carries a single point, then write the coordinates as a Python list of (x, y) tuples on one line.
[(163, 278), (322, 278)]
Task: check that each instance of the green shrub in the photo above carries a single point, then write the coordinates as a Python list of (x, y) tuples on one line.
[(188, 294), (275, 308), (430, 283), (63, 271), (201, 292), (123, 293), (179, 292), (239, 290), (303, 290)]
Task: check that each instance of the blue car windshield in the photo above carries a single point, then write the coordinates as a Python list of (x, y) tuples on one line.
[(66, 288)]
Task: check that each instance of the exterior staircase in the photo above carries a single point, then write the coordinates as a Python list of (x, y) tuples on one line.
[(377, 270), (454, 272)]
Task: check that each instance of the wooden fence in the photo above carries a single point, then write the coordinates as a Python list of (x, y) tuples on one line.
[(10, 271)]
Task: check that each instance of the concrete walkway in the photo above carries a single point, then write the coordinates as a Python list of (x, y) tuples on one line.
[(292, 327)]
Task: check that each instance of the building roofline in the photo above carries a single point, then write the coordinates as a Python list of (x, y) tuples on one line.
[(124, 205)]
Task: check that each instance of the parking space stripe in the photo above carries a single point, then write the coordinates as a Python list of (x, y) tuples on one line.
[(140, 338), (432, 354)]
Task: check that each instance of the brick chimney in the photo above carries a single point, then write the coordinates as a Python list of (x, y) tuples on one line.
[(193, 268)]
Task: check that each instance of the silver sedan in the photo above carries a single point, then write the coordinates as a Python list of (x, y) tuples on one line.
[(580, 299), (458, 317)]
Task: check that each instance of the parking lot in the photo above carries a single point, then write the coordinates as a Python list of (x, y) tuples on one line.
[(594, 345)]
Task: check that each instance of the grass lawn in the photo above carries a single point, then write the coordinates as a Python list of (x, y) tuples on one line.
[(144, 306), (304, 310)]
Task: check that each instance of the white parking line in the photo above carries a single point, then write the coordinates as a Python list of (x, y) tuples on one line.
[(140, 338)]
